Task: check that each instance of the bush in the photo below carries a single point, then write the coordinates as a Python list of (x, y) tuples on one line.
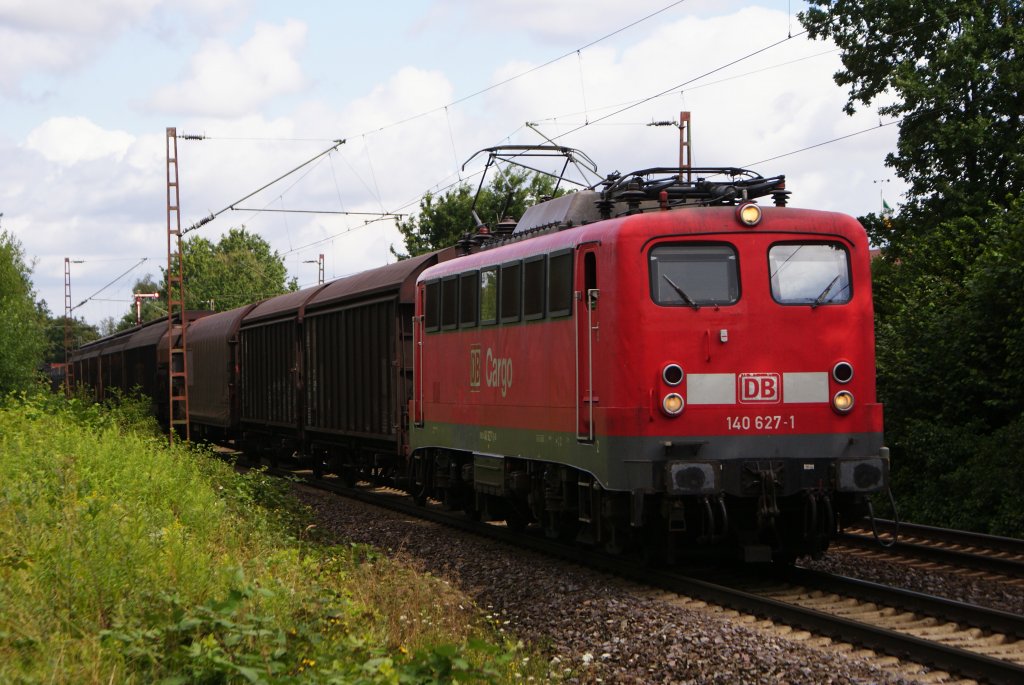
[(22, 339), (124, 560)]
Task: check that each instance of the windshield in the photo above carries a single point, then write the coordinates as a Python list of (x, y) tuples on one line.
[(694, 275), (809, 273)]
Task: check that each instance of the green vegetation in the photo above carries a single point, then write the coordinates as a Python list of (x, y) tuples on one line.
[(237, 270), (950, 288), (123, 560), (22, 329), (443, 219), (81, 333)]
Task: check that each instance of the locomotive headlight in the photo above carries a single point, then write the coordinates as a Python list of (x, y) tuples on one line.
[(748, 214), (842, 372), (672, 374), (843, 401), (672, 404)]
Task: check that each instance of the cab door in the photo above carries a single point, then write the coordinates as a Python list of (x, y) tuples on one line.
[(417, 352), (586, 297)]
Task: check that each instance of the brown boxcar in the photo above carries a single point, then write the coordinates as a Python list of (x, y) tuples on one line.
[(357, 345), (128, 360), (213, 370), (271, 374)]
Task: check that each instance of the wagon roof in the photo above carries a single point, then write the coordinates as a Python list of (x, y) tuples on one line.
[(281, 306), (220, 326), (103, 345), (400, 276)]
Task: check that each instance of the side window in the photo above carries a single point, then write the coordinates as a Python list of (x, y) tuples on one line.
[(533, 288), (432, 314), (560, 284), (469, 290), (809, 273), (489, 295), (449, 302), (511, 291)]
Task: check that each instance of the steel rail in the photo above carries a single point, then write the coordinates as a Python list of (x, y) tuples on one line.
[(951, 536), (1011, 565), (919, 603), (901, 645)]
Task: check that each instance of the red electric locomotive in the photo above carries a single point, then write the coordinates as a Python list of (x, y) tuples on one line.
[(660, 363)]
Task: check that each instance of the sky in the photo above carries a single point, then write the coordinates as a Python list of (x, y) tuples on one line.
[(413, 87)]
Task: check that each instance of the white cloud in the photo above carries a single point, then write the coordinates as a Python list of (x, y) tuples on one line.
[(574, 22), (75, 188), (58, 35), (69, 140), (224, 81), (64, 17), (740, 115)]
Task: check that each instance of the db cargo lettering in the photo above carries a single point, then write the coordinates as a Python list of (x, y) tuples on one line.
[(499, 372)]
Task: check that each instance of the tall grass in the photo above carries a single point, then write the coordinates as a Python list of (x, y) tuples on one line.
[(123, 560)]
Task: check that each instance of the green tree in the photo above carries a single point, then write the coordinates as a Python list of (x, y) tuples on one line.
[(238, 269), (150, 308), (22, 333), (951, 370), (443, 219), (956, 70), (81, 333), (948, 291)]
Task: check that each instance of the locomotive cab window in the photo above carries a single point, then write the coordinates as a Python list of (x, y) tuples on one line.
[(809, 273), (687, 275), (489, 295), (432, 306)]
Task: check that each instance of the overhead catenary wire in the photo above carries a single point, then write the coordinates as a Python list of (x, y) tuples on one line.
[(681, 85), (438, 188), (587, 122), (133, 268), (527, 72), (825, 142), (214, 215)]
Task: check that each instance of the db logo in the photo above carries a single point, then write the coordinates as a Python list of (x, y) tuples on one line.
[(475, 364), (760, 387)]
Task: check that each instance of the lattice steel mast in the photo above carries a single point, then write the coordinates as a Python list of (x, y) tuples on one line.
[(177, 378), (69, 373)]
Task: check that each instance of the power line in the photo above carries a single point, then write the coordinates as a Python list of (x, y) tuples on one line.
[(214, 215), (826, 142), (133, 268), (527, 72), (681, 85), (382, 215)]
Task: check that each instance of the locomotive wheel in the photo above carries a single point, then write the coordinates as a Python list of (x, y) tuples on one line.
[(561, 525), (516, 514), (470, 508), (420, 497)]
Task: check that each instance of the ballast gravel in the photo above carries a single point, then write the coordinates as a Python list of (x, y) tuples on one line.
[(593, 627)]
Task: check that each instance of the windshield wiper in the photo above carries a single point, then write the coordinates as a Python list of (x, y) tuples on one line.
[(824, 293), (682, 293)]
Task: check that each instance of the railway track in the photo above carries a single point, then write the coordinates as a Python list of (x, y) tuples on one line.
[(989, 554), (962, 639)]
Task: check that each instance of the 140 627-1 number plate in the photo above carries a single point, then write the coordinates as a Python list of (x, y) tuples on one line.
[(760, 423)]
